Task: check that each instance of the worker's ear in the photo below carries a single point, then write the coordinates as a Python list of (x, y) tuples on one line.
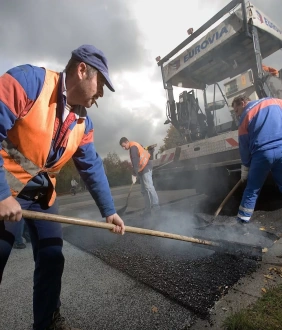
[(81, 70)]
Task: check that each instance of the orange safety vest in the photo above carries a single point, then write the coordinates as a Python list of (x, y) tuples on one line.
[(143, 154), (26, 149)]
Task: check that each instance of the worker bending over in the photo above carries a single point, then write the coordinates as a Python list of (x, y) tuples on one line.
[(44, 123), (260, 145)]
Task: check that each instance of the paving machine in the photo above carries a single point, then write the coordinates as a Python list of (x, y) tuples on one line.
[(226, 55)]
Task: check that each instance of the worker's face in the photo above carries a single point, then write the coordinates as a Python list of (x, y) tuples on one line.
[(125, 145), (239, 108), (90, 86)]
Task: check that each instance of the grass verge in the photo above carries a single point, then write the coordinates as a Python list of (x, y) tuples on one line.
[(265, 314)]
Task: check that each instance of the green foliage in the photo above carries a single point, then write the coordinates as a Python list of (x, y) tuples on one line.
[(172, 139), (118, 172), (265, 314), (65, 176)]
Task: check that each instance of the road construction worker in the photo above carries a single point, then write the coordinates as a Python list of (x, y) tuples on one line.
[(142, 167), (260, 145), (19, 244), (74, 184), (44, 123)]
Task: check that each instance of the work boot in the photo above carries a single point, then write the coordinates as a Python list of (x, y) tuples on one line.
[(59, 323), (242, 226), (232, 221), (19, 246)]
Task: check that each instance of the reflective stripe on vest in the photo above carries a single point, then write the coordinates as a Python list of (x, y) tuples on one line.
[(19, 158), (27, 147), (144, 155), (13, 181)]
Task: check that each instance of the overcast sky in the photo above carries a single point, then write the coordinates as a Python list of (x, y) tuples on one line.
[(131, 34)]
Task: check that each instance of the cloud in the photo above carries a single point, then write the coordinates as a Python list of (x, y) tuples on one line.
[(48, 31), (135, 115), (44, 33), (131, 34)]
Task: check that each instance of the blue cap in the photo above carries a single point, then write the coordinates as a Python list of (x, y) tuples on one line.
[(96, 58)]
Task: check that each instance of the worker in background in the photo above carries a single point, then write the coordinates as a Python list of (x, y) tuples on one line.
[(19, 244), (38, 109), (272, 71), (143, 168), (73, 186), (260, 145)]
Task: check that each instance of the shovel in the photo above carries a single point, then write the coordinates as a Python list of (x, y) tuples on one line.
[(122, 210), (233, 248), (226, 199)]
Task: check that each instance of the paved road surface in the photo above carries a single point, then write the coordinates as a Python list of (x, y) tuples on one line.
[(130, 282)]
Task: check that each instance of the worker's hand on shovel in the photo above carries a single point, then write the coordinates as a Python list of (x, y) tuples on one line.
[(244, 173), (133, 178), (116, 220), (10, 210)]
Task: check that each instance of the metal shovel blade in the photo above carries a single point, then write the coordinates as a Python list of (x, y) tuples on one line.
[(237, 249), (121, 211), (249, 251), (210, 219), (207, 218)]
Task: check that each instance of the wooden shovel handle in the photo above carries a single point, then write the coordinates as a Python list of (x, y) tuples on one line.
[(129, 193), (92, 223), (226, 199)]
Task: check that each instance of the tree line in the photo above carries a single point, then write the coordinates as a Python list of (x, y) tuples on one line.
[(118, 173)]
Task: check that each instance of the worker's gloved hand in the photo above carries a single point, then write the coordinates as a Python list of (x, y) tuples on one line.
[(134, 178), (244, 173)]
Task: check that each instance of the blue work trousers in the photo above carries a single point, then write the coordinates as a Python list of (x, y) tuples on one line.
[(261, 164), (148, 190), (46, 240)]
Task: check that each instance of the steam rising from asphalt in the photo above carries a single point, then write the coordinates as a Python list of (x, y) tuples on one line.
[(180, 223), (224, 229), (178, 218)]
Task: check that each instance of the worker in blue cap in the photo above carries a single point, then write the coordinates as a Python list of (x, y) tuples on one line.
[(44, 123)]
